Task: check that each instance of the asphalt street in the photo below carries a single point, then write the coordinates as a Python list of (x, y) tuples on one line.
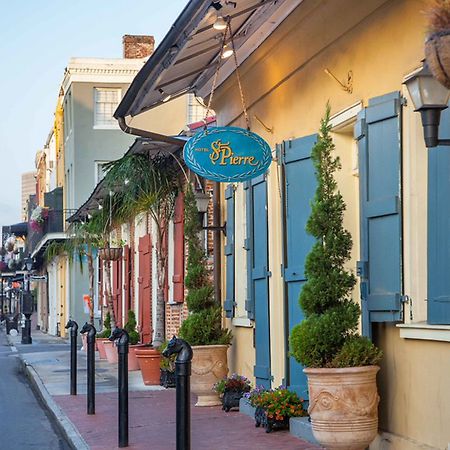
[(23, 422)]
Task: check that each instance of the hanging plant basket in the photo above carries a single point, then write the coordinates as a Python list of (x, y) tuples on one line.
[(110, 253), (437, 53)]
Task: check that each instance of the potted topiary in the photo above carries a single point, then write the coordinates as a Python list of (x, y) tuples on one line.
[(274, 407), (202, 329), (167, 368), (437, 44), (340, 364), (231, 390), (133, 334), (103, 336)]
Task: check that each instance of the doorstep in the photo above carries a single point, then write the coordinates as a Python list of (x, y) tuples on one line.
[(299, 427)]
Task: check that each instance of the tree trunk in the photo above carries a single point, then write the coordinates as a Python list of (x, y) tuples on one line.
[(91, 286), (160, 302), (109, 298)]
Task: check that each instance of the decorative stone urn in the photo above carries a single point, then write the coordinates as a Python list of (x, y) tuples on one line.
[(209, 365), (343, 405)]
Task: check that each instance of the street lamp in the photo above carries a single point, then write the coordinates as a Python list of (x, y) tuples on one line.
[(202, 201), (27, 304), (429, 98)]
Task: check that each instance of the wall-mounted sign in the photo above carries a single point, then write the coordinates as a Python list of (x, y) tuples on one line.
[(227, 154)]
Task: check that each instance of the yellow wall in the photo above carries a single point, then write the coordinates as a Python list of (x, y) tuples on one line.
[(286, 87)]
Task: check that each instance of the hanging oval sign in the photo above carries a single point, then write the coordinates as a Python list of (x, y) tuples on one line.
[(227, 154)]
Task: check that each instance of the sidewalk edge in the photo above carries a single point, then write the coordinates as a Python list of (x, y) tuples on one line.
[(64, 424)]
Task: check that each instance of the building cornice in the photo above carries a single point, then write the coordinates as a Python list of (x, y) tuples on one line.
[(99, 70)]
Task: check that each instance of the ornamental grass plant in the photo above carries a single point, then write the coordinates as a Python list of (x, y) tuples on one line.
[(328, 336)]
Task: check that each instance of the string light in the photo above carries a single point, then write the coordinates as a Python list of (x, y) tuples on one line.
[(220, 24), (227, 51)]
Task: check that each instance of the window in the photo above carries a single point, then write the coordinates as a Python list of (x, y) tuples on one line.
[(100, 171), (105, 103), (195, 111)]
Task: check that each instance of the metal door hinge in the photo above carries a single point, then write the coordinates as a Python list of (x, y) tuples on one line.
[(406, 299)]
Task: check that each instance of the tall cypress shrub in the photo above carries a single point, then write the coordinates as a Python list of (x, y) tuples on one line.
[(203, 326), (328, 337)]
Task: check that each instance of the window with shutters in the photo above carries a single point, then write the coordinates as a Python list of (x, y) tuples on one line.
[(105, 103)]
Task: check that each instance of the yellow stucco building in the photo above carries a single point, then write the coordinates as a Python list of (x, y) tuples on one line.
[(294, 57)]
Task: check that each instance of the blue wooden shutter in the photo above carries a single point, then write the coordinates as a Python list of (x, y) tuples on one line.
[(439, 229), (299, 187), (378, 132), (250, 299), (229, 253)]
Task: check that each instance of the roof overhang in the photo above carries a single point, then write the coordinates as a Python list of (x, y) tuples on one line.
[(186, 59), (140, 146), (45, 242)]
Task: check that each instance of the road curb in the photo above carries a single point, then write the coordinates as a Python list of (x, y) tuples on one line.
[(64, 424)]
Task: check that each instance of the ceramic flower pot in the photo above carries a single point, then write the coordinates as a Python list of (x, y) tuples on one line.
[(111, 352), (209, 365), (437, 52), (343, 405), (149, 361), (101, 348), (133, 363)]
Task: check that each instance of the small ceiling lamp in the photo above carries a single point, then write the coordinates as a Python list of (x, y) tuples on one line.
[(227, 51), (429, 98), (165, 97), (220, 24)]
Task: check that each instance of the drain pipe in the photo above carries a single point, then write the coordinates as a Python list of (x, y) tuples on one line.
[(148, 134)]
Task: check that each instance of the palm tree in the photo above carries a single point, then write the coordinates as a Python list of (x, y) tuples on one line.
[(146, 184), (81, 243)]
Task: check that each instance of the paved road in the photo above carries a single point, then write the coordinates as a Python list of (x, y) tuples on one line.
[(23, 423)]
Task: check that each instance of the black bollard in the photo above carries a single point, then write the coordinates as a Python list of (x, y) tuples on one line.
[(183, 387), (73, 355), (91, 332), (120, 336)]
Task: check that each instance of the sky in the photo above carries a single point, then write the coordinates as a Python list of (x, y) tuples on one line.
[(37, 39)]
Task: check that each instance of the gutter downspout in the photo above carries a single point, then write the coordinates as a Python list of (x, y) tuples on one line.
[(148, 134)]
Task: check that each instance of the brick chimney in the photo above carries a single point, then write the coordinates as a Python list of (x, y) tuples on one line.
[(137, 46)]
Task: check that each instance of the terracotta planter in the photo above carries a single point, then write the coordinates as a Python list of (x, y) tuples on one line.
[(149, 361), (209, 365), (343, 405), (132, 359), (437, 52), (101, 347), (110, 253), (111, 352)]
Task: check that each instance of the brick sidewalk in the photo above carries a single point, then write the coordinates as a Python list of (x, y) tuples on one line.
[(152, 425)]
